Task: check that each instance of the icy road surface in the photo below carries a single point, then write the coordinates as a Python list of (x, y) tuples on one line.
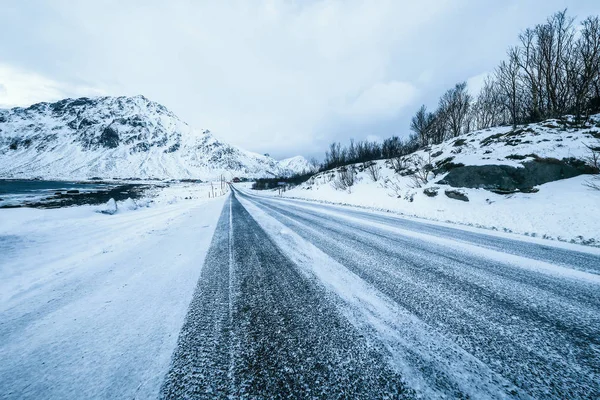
[(291, 299), (305, 300)]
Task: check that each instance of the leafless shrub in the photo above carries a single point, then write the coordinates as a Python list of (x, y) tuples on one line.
[(593, 160), (593, 184), (344, 178), (399, 164), (395, 186), (374, 171), (422, 169)]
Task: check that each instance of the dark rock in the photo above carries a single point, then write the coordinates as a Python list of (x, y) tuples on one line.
[(456, 194), (72, 191), (73, 124), (12, 206), (519, 157), (109, 138), (85, 122), (506, 178), (431, 191), (59, 105), (445, 165), (82, 101), (58, 193), (140, 147), (504, 191), (491, 139), (173, 148), (460, 142)]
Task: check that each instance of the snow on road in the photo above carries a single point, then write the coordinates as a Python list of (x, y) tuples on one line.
[(260, 297), (92, 304), (456, 318)]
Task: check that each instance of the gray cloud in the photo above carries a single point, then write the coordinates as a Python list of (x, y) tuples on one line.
[(282, 77)]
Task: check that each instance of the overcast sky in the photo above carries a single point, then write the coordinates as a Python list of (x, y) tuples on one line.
[(283, 77)]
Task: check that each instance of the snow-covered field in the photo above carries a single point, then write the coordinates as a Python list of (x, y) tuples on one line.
[(565, 210), (91, 304)]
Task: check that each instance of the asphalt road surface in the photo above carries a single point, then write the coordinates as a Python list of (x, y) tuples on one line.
[(301, 300)]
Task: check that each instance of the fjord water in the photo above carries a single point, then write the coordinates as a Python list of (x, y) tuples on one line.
[(15, 191)]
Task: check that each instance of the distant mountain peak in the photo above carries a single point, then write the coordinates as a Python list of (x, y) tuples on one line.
[(118, 137)]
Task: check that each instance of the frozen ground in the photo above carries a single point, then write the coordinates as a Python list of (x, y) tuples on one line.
[(91, 304), (250, 296)]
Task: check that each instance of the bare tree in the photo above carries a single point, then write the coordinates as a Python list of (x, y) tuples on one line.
[(555, 43), (585, 65), (421, 124), (507, 77), (529, 62), (455, 104), (488, 110)]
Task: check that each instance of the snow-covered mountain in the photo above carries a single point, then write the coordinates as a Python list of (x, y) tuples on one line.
[(120, 137), (297, 164)]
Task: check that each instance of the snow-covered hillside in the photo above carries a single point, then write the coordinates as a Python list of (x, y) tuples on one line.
[(564, 209), (119, 137), (298, 164)]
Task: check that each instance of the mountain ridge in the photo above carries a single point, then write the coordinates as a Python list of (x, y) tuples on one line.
[(120, 137)]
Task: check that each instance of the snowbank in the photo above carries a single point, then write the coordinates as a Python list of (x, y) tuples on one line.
[(92, 303)]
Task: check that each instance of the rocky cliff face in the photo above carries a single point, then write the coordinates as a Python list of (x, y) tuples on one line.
[(118, 137)]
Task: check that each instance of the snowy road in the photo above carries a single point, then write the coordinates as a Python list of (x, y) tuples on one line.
[(316, 301), (289, 298)]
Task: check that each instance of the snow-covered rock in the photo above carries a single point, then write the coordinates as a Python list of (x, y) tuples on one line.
[(109, 208), (120, 137)]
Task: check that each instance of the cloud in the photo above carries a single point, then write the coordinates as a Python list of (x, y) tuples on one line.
[(276, 76), (270, 76), (382, 101), (22, 88), (475, 83)]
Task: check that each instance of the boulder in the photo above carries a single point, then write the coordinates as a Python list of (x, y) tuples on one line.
[(109, 138), (509, 179), (431, 191), (72, 191), (456, 194)]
